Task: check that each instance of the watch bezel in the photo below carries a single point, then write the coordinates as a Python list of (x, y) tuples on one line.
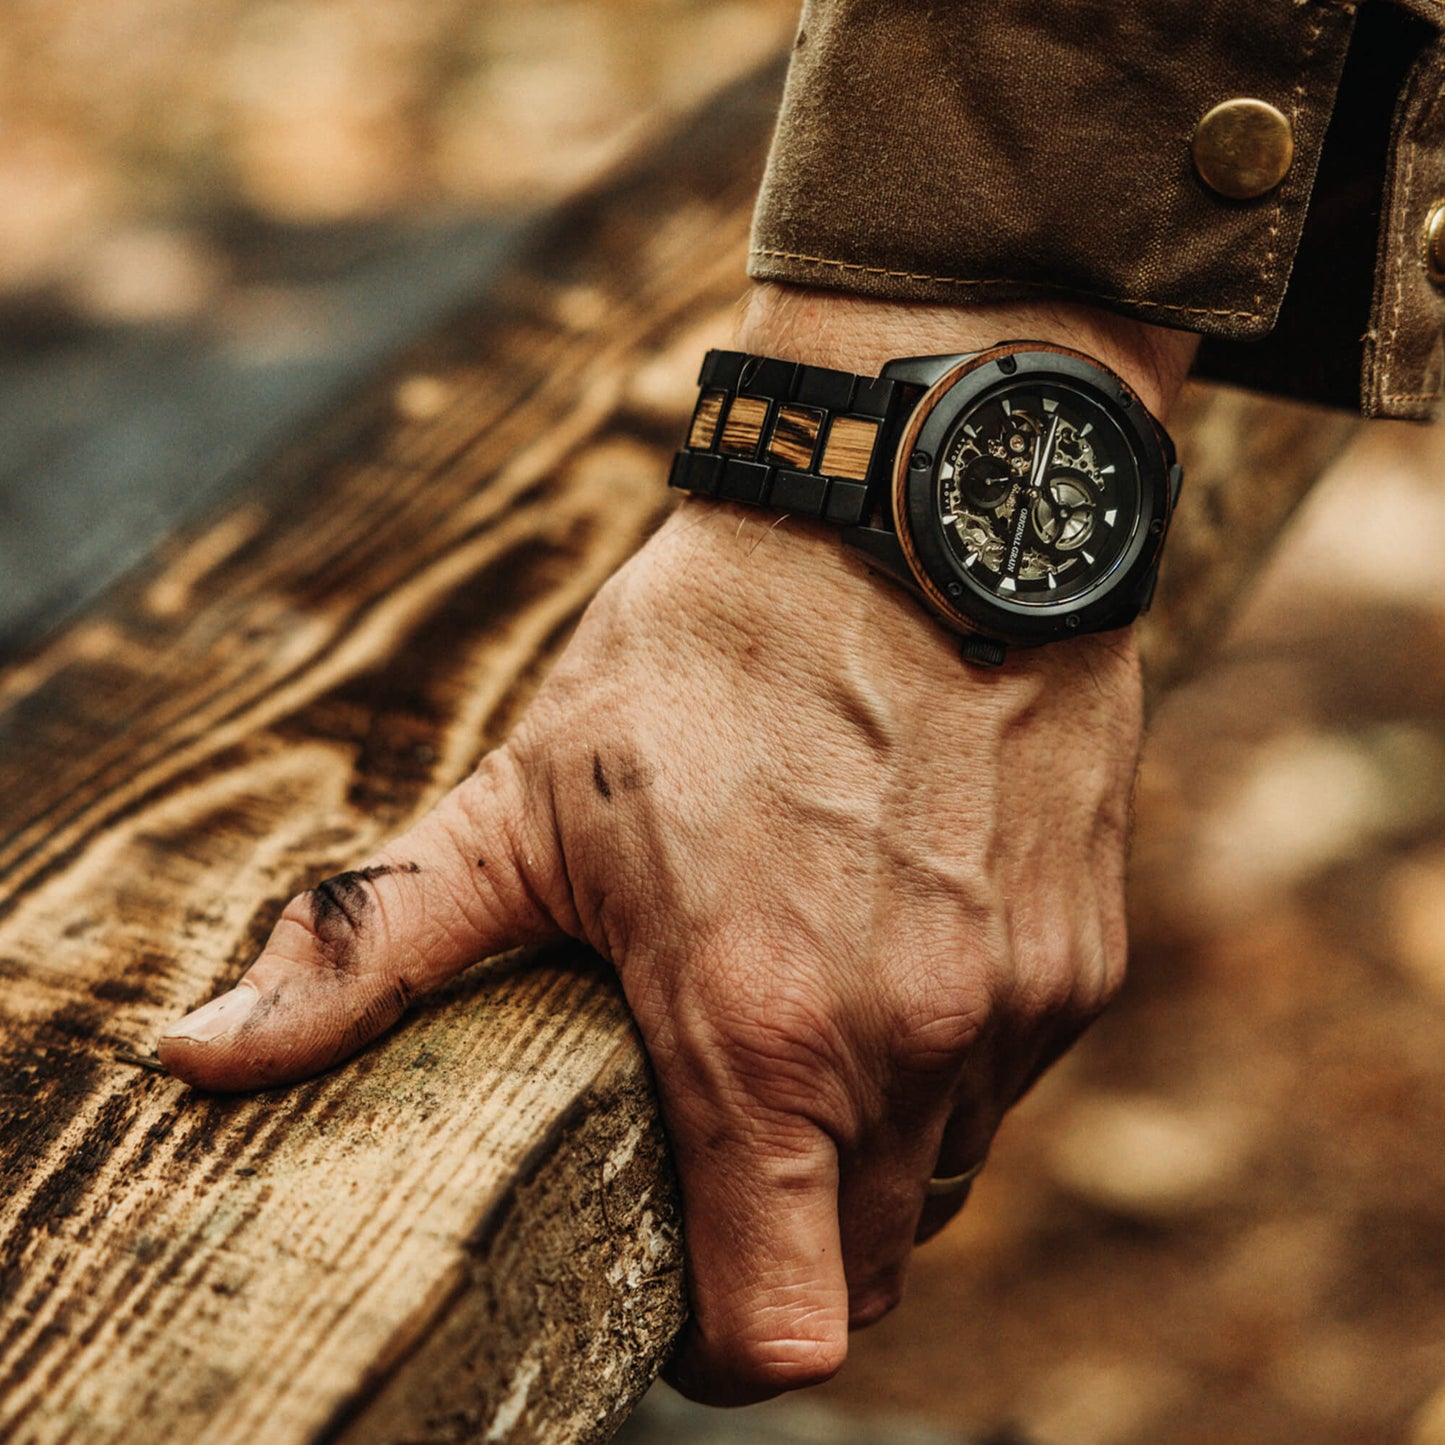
[(938, 572)]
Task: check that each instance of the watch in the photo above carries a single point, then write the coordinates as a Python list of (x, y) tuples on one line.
[(1023, 492)]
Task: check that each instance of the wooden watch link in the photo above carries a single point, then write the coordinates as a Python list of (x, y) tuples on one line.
[(1023, 492)]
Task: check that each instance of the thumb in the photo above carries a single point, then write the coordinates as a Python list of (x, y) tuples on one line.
[(348, 955)]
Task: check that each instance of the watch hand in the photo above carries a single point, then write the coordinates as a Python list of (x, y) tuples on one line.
[(1043, 455)]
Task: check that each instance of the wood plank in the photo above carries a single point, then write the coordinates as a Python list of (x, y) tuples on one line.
[(410, 1237), (470, 1232)]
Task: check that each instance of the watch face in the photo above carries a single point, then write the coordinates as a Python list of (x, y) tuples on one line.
[(1038, 492)]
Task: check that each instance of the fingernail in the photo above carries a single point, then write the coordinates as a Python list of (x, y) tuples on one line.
[(218, 1018)]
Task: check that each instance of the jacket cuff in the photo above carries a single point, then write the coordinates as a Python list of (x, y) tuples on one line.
[(971, 153)]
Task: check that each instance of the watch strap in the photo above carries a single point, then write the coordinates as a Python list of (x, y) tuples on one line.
[(807, 440)]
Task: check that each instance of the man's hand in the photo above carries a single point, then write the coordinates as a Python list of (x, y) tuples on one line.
[(858, 894)]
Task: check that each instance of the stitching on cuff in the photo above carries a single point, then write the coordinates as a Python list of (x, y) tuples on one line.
[(1399, 224), (763, 253), (1267, 268)]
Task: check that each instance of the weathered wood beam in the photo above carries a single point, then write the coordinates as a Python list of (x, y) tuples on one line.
[(470, 1232)]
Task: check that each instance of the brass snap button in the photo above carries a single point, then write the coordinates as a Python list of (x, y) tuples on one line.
[(1243, 148), (1435, 243)]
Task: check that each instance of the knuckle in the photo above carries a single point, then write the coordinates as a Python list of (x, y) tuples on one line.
[(349, 917), (731, 1070), (931, 1024), (784, 1050), (771, 1367), (780, 1021), (872, 1303), (296, 935), (335, 915), (1109, 969), (1067, 975)]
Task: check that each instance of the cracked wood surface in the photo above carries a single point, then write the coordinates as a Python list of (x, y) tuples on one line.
[(471, 1231)]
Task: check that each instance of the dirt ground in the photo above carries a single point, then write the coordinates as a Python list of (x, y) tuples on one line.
[(1222, 1219)]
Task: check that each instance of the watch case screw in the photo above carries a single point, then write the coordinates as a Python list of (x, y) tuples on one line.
[(1071, 623), (920, 461), (1157, 525), (955, 589), (1008, 365)]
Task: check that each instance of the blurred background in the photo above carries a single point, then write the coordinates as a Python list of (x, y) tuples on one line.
[(1222, 1219), (216, 213)]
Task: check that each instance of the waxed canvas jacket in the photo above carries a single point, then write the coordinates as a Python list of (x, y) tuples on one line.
[(978, 150)]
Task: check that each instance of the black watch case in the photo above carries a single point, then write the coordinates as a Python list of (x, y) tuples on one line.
[(1031, 494)]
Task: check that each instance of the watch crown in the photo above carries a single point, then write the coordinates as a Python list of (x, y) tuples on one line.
[(982, 651)]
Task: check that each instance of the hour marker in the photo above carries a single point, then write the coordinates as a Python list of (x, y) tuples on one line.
[(1050, 404), (949, 519), (1088, 559), (1053, 582), (970, 559), (1111, 516), (1087, 429), (1104, 471), (969, 430), (1007, 584), (1008, 407)]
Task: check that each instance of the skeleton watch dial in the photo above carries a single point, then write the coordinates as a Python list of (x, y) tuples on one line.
[(1038, 493)]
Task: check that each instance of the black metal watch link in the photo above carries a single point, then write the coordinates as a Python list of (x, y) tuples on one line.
[(801, 439), (1022, 492)]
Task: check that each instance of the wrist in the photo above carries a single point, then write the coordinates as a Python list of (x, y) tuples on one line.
[(1102, 590), (862, 334), (748, 580)]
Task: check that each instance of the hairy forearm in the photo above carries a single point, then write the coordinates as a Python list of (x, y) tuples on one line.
[(856, 333)]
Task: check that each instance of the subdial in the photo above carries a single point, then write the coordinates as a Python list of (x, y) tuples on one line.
[(1065, 512), (986, 483)]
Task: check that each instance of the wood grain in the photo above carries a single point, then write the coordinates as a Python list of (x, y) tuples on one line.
[(471, 1231)]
